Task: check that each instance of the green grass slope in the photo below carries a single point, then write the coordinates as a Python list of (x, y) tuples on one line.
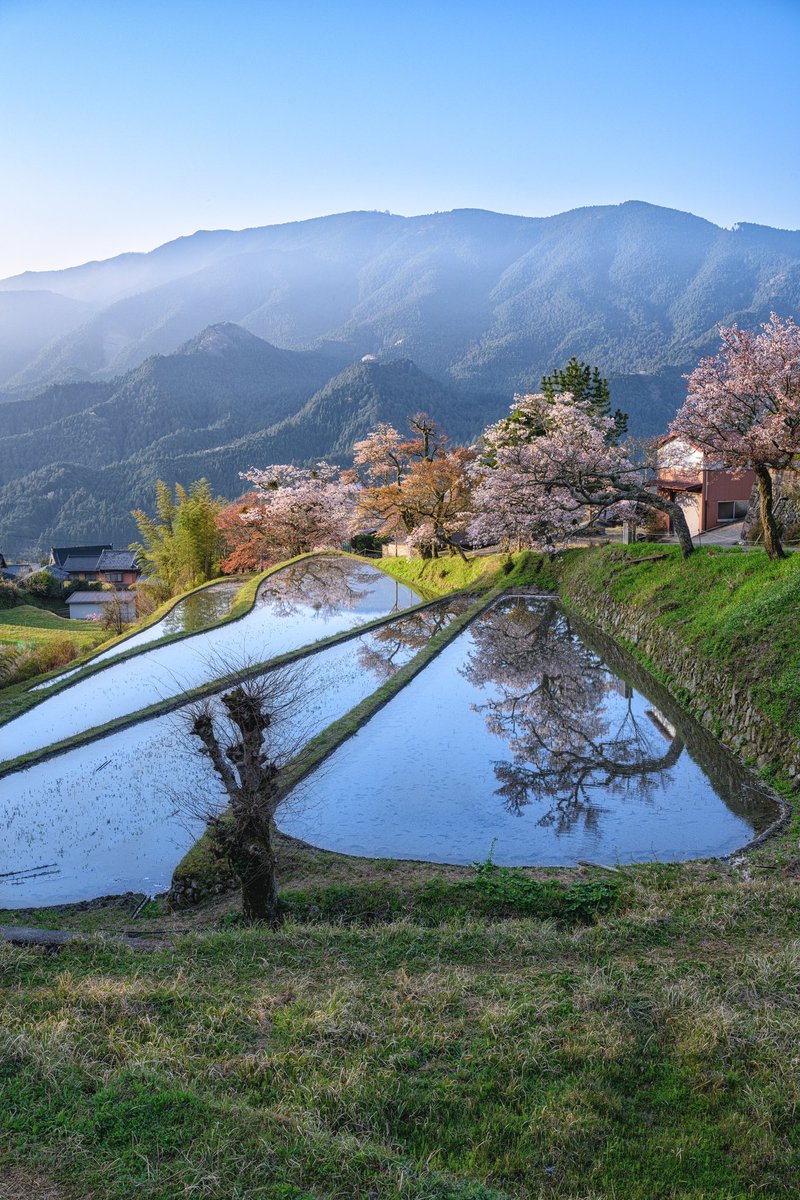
[(734, 608), (35, 626)]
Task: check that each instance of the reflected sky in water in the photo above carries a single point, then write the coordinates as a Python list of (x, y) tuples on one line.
[(519, 734), (115, 816)]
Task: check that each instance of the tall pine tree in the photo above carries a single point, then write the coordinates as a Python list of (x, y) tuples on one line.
[(585, 383)]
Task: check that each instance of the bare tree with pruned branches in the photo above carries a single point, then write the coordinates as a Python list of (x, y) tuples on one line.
[(250, 733)]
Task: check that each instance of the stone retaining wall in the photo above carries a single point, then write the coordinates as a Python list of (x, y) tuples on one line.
[(725, 708)]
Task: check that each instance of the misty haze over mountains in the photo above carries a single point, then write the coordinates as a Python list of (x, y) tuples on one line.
[(225, 350)]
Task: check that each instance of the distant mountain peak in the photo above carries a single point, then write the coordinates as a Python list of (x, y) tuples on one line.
[(217, 339)]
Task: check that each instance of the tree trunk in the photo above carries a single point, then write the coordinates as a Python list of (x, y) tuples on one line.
[(676, 514), (260, 901), (250, 854), (769, 526)]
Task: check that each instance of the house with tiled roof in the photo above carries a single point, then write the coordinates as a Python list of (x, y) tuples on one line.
[(102, 563), (84, 558), (118, 566)]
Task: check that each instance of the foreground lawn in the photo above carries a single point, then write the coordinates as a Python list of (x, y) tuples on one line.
[(651, 1054)]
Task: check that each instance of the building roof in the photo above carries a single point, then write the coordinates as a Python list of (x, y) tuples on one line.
[(87, 562), (677, 485), (99, 597), (117, 560), (18, 570), (59, 554)]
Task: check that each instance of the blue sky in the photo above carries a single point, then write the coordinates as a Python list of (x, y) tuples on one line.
[(126, 123)]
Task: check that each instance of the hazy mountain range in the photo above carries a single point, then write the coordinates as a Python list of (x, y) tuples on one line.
[(227, 349)]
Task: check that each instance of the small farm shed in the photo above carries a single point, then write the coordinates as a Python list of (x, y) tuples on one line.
[(84, 606)]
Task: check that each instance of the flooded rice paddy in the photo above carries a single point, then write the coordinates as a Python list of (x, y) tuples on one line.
[(528, 737), (301, 604), (193, 613), (117, 815), (520, 740)]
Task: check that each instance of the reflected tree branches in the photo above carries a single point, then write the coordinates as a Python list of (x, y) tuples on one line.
[(569, 722), (390, 647), (325, 584)]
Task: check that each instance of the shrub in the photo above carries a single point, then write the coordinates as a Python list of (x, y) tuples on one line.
[(148, 597), (84, 585), (510, 891), (499, 892), (9, 595), (17, 665), (43, 585)]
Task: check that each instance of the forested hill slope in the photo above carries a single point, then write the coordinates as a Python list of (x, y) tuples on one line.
[(219, 386), (356, 400), (69, 500), (482, 299)]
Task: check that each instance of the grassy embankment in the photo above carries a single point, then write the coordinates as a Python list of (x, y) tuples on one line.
[(735, 609), (27, 626), (441, 576), (448, 1055)]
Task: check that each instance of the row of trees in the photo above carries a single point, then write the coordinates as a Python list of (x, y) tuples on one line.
[(559, 461)]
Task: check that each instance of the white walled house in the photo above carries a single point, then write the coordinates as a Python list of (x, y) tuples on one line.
[(84, 606)]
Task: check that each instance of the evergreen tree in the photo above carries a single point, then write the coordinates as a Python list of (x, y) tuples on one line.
[(583, 382)]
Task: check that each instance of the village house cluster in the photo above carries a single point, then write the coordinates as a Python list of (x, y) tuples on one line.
[(108, 573)]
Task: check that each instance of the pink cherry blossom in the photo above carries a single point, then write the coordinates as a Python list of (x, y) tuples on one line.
[(743, 407)]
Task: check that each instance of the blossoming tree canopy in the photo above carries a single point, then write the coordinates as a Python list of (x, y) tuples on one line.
[(298, 509), (743, 408), (546, 488)]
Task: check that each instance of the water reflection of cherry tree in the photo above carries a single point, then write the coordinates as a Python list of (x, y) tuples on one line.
[(553, 702), (325, 584), (389, 647)]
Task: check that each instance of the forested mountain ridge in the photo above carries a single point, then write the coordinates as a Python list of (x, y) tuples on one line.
[(222, 384), (66, 500), (357, 399), (483, 300)]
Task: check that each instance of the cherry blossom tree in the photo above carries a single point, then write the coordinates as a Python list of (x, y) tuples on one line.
[(546, 489), (743, 408), (297, 509)]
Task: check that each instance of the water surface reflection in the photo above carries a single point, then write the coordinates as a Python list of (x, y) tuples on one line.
[(112, 816), (298, 605), (527, 732)]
